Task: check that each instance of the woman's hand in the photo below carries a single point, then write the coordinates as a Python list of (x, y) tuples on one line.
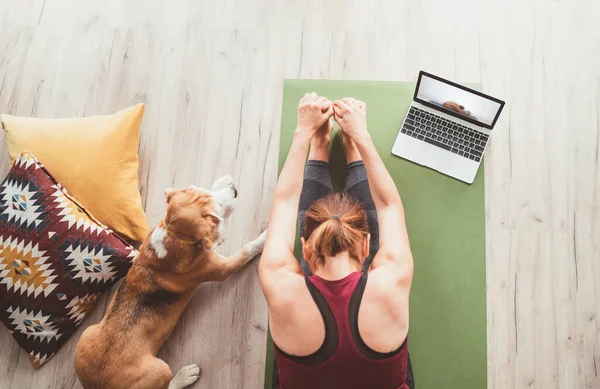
[(351, 115), (313, 112)]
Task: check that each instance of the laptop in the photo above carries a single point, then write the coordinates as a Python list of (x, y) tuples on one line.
[(447, 127)]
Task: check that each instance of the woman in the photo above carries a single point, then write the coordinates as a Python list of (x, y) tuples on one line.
[(340, 319)]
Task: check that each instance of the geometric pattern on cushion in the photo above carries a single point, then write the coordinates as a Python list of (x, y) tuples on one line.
[(55, 259)]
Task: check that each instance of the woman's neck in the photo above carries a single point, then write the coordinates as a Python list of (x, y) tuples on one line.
[(338, 267)]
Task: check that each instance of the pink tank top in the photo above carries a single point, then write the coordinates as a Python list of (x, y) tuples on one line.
[(344, 361)]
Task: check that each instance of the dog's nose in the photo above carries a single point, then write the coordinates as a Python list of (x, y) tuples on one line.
[(234, 192)]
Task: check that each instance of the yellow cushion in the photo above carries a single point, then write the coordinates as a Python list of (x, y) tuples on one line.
[(94, 158)]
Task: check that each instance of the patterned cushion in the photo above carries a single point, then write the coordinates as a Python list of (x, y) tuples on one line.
[(55, 259)]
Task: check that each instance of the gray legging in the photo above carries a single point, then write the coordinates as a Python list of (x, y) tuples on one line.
[(317, 183)]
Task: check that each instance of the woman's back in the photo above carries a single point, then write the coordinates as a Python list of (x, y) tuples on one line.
[(343, 359)]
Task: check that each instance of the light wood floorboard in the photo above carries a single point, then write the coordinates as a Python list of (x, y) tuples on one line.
[(211, 76)]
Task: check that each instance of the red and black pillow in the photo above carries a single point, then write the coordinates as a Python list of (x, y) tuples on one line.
[(55, 259)]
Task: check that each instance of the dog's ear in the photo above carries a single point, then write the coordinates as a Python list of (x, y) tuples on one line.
[(207, 230), (169, 192)]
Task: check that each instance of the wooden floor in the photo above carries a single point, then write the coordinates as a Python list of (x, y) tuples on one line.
[(211, 73)]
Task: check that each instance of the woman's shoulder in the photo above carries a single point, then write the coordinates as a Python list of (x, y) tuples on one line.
[(290, 309), (392, 271), (389, 287), (280, 286), (385, 305)]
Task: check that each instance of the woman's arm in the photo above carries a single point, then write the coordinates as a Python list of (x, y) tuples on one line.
[(281, 233), (393, 236), (394, 246), (278, 252)]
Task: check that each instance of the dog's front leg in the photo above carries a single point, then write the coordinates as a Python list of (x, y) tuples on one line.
[(225, 266)]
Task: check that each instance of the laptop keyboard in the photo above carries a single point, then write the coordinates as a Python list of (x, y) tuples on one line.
[(444, 133)]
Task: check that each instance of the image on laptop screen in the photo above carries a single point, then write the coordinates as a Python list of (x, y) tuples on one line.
[(456, 100)]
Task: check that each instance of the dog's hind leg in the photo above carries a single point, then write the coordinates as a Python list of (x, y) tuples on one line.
[(156, 374), (187, 375)]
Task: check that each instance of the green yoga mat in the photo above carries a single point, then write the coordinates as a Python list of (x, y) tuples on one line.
[(446, 226)]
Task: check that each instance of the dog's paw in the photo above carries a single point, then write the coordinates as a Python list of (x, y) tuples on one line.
[(186, 376), (221, 183), (256, 246)]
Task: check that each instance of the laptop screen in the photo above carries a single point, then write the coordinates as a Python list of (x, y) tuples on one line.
[(457, 100)]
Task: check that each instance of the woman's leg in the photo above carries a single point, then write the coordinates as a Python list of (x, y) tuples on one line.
[(357, 185), (317, 182)]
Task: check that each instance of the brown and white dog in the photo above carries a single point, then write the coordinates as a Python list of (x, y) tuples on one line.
[(120, 351)]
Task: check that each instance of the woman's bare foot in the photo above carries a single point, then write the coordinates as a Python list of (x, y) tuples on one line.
[(319, 144), (352, 154)]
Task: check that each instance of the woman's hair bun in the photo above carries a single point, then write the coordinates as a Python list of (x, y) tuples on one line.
[(333, 224)]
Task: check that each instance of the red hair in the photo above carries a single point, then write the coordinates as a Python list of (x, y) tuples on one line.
[(333, 224)]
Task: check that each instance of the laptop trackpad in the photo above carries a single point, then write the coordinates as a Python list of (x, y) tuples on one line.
[(437, 158)]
